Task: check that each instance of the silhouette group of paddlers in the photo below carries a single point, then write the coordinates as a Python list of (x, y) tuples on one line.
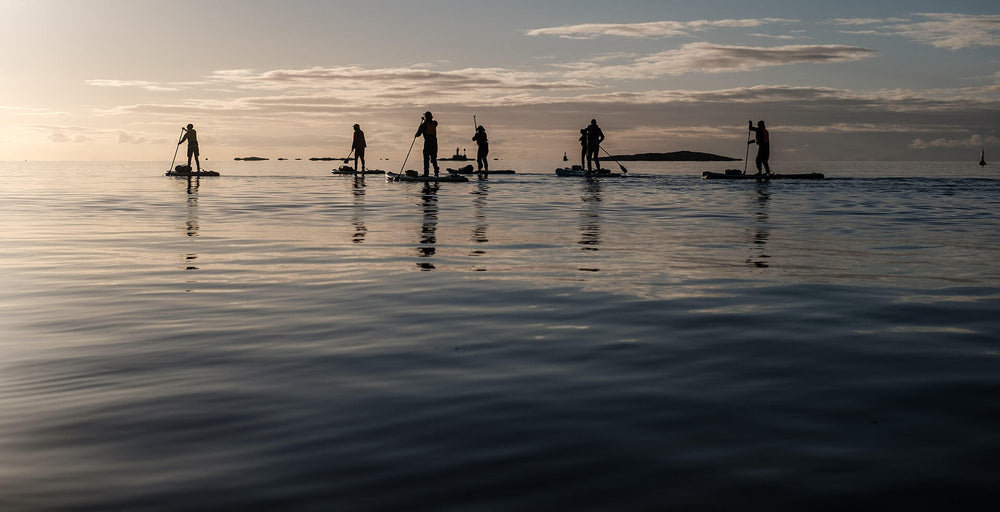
[(591, 138)]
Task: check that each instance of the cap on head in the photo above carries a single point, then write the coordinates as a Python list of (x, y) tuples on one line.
[(357, 125), (593, 121), (190, 126), (428, 114), (480, 128), (760, 123)]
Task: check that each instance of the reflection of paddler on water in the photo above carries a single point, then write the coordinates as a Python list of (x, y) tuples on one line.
[(479, 206), (360, 230), (482, 140), (428, 129), (428, 227), (590, 218), (761, 232)]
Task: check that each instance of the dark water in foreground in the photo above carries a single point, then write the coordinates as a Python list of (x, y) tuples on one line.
[(278, 338)]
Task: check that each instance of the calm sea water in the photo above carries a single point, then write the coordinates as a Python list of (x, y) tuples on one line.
[(279, 338)]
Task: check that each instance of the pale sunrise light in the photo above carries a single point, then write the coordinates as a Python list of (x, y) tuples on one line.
[(113, 80)]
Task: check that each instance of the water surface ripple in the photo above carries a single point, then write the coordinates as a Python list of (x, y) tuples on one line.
[(279, 338)]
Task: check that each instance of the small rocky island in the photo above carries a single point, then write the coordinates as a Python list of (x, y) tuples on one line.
[(251, 158), (676, 156)]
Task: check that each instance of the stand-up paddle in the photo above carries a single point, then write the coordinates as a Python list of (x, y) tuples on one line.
[(620, 166), (348, 159), (178, 146), (404, 161), (749, 138)]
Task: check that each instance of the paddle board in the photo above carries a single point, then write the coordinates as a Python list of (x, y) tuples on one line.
[(709, 175), (456, 178), (191, 173), (603, 173)]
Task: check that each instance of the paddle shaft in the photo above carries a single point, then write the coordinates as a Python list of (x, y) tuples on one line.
[(620, 166), (746, 159), (178, 146), (348, 159), (405, 159)]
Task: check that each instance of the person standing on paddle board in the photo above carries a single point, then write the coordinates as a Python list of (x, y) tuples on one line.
[(191, 137), (428, 128), (484, 150), (594, 139), (763, 141), (359, 146)]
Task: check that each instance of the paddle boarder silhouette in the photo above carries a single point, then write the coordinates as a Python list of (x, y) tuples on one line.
[(484, 150), (594, 139), (358, 146), (763, 141), (428, 129), (191, 136)]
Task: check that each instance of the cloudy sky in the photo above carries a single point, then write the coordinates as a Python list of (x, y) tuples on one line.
[(845, 80)]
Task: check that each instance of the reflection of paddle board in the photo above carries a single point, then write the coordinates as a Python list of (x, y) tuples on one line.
[(709, 175), (456, 178)]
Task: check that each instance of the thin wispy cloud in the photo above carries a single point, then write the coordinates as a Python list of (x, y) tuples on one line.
[(714, 58), (654, 29), (973, 141), (782, 37), (943, 30), (137, 84), (374, 87)]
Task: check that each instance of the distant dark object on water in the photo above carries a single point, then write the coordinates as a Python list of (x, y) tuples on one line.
[(459, 157), (324, 159), (282, 159), (982, 157), (676, 156), (251, 158)]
